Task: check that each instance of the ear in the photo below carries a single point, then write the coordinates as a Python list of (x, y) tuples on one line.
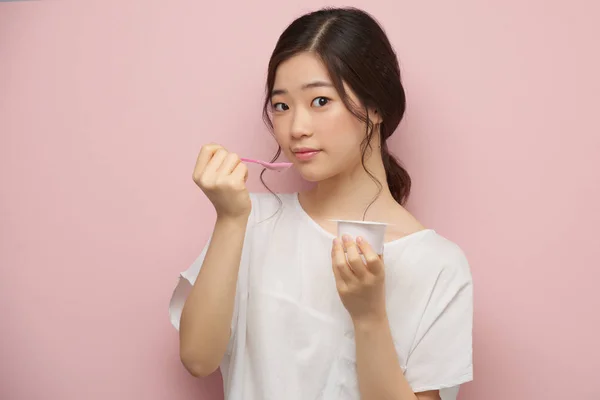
[(375, 116)]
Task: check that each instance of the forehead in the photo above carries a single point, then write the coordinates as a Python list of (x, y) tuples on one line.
[(300, 69)]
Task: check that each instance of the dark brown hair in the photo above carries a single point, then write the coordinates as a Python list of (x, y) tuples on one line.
[(356, 51)]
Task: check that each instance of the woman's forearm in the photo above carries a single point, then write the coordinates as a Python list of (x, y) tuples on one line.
[(379, 374)]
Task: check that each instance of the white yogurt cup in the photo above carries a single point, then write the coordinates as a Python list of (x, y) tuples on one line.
[(372, 232)]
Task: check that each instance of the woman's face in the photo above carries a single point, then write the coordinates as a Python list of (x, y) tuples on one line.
[(311, 123)]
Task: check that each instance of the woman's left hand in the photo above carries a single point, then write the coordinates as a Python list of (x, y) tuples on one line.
[(359, 283)]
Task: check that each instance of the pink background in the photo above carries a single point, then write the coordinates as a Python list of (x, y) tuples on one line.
[(104, 105)]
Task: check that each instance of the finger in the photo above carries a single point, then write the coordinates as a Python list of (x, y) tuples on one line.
[(240, 172), (337, 258), (340, 263), (206, 153), (229, 163), (215, 162), (373, 260), (354, 258)]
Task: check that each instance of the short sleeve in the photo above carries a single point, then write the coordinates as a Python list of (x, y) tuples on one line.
[(183, 287), (188, 277), (441, 356)]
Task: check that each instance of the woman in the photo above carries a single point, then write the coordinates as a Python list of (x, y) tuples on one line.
[(286, 309)]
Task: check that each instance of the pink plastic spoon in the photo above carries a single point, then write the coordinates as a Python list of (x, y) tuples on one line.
[(278, 166)]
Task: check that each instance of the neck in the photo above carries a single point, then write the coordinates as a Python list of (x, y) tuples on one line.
[(347, 195)]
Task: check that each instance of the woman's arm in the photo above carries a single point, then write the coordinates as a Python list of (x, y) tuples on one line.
[(362, 291), (379, 374), (205, 326)]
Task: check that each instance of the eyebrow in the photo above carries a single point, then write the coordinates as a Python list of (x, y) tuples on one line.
[(310, 85)]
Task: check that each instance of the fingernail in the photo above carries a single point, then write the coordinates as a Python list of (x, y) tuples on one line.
[(346, 238), (359, 239), (336, 242)]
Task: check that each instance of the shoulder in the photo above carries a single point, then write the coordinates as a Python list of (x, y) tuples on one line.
[(434, 254)]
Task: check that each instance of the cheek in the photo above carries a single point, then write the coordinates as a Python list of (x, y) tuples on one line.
[(280, 131), (342, 130), (282, 137)]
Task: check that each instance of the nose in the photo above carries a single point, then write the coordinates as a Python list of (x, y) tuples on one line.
[(301, 124)]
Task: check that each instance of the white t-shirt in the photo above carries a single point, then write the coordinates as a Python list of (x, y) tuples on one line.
[(293, 339)]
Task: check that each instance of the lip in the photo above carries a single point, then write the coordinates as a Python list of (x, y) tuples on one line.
[(305, 153)]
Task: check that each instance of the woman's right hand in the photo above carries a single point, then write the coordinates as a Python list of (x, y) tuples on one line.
[(222, 177)]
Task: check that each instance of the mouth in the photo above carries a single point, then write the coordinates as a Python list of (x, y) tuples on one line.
[(305, 154)]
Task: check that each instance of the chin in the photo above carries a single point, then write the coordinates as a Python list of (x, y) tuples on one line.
[(313, 173)]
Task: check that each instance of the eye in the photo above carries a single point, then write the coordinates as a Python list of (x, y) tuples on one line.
[(280, 107), (320, 101)]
